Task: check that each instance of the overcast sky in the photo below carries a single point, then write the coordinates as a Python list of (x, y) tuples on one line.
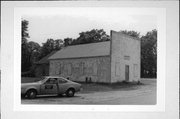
[(70, 22)]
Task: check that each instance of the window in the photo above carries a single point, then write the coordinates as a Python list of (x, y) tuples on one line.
[(126, 57), (51, 81), (62, 80), (117, 68)]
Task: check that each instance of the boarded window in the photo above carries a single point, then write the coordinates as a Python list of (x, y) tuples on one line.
[(82, 68), (76, 69), (51, 68), (95, 68), (117, 66), (60, 69), (69, 67), (57, 67), (126, 57), (135, 70)]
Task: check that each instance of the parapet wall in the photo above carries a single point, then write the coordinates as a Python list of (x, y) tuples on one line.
[(125, 52)]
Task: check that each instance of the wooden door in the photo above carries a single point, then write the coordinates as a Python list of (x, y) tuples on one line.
[(127, 72)]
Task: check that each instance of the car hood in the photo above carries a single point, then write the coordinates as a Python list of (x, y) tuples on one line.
[(30, 84), (72, 82)]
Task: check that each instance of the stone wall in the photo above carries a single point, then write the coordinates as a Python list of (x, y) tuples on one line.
[(124, 51), (96, 69)]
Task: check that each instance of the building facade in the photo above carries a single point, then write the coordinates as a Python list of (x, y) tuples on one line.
[(125, 57), (108, 62), (92, 69)]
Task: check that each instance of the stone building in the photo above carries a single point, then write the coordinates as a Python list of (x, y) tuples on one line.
[(108, 62)]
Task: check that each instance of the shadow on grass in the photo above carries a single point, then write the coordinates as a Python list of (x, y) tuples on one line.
[(50, 96), (103, 87)]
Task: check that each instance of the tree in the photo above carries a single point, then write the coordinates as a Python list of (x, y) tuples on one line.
[(131, 33), (67, 41), (92, 36), (24, 30), (24, 45), (33, 51), (29, 50), (58, 44), (149, 54), (49, 46)]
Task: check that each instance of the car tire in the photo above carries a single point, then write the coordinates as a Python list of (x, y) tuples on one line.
[(70, 92), (31, 94)]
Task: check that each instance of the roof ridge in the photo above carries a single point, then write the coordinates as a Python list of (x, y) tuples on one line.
[(87, 44)]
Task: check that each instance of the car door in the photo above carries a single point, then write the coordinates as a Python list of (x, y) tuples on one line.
[(49, 87), (62, 85)]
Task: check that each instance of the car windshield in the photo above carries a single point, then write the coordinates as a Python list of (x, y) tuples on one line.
[(42, 79)]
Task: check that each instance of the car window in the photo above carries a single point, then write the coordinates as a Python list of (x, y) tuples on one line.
[(62, 80), (51, 81)]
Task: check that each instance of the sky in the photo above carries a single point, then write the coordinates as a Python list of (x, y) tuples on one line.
[(70, 22)]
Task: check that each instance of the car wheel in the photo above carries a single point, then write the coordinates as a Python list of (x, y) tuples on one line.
[(31, 94), (70, 92)]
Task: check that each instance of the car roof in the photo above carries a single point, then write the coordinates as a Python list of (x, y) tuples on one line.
[(54, 77)]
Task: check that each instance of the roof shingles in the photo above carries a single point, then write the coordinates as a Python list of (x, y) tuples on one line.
[(85, 50)]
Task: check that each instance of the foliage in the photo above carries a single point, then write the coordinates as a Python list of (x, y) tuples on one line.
[(58, 44), (31, 55), (24, 45), (149, 54), (34, 51), (131, 33), (49, 46), (92, 36), (24, 30), (30, 50), (67, 41)]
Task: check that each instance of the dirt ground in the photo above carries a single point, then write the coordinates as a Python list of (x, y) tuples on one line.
[(106, 95)]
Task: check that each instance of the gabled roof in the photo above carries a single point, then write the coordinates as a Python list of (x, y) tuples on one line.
[(83, 50), (45, 59)]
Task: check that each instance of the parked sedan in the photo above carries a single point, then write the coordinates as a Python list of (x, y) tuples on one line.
[(50, 85)]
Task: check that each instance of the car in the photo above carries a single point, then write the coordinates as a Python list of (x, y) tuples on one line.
[(50, 85)]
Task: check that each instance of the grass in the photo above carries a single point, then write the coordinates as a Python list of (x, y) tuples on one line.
[(102, 87)]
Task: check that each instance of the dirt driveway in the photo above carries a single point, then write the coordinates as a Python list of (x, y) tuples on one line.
[(138, 95)]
